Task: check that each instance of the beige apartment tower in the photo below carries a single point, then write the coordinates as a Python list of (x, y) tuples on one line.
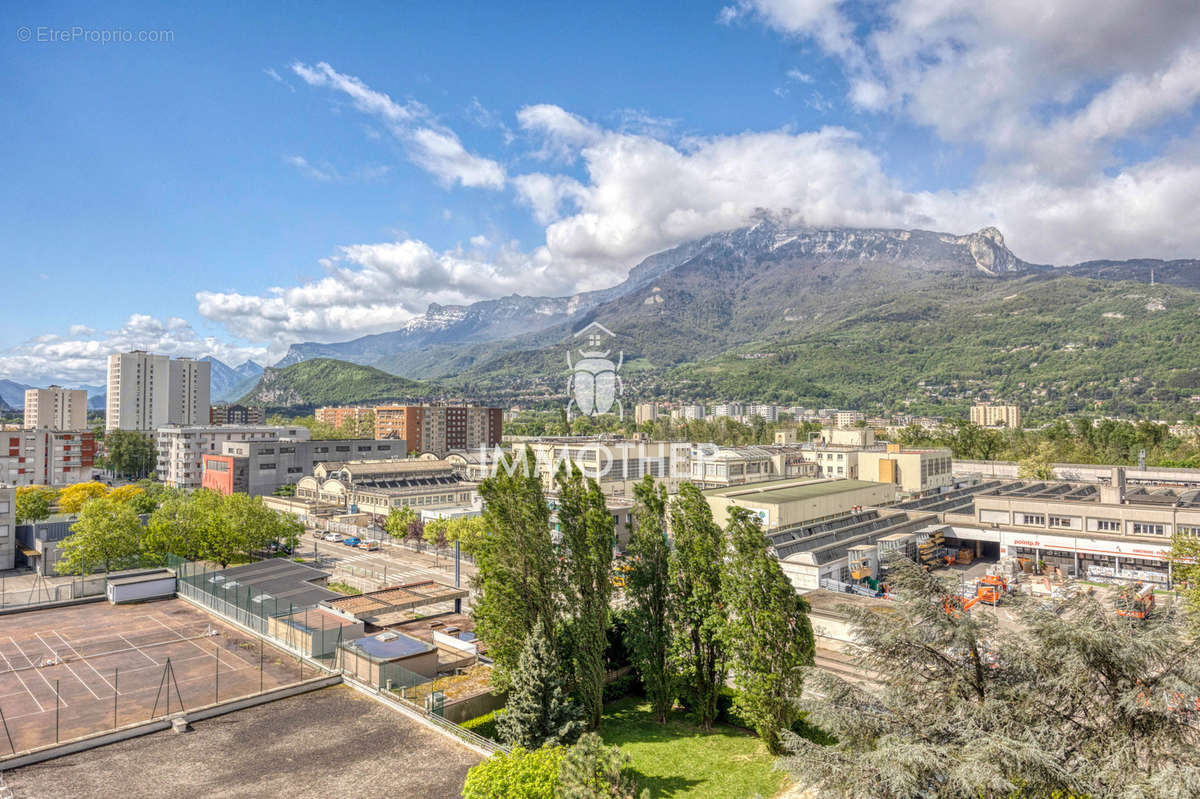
[(147, 391), (989, 415), (55, 408)]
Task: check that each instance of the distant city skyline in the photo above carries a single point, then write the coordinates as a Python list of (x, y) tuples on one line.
[(261, 179)]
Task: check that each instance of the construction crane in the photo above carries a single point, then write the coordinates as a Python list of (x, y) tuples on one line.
[(1135, 601)]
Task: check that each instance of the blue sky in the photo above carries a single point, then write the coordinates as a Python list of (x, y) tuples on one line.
[(271, 176)]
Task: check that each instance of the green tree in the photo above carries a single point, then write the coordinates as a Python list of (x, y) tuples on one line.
[(538, 711), (252, 526), (769, 636), (591, 770), (520, 774), (399, 520), (1185, 563), (516, 580), (129, 453), (587, 542), (467, 532), (107, 534), (435, 532), (648, 591), (698, 615), (149, 497), (33, 503), (1039, 465), (1072, 703), (179, 526)]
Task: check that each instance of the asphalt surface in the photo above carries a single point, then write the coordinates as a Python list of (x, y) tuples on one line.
[(332, 742)]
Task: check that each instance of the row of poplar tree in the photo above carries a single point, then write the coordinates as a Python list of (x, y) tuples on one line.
[(701, 602)]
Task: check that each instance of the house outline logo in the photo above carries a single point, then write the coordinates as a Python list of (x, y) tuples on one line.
[(595, 384)]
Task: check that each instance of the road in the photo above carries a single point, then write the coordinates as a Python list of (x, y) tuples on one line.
[(392, 563)]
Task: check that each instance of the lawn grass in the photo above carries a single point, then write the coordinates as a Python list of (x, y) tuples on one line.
[(678, 759)]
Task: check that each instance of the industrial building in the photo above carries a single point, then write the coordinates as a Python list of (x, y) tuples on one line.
[(1107, 532), (711, 466), (375, 487), (259, 468), (912, 471), (615, 463), (782, 504)]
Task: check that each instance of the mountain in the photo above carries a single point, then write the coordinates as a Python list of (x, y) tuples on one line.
[(323, 381), (840, 317), (229, 382), (12, 394), (858, 318), (482, 322)]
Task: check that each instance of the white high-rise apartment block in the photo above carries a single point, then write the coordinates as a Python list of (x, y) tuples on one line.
[(734, 409), (769, 413), (188, 391), (693, 412), (55, 408), (147, 391)]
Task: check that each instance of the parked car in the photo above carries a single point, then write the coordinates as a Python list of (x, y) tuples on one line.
[(370, 545), (334, 537), (352, 541)]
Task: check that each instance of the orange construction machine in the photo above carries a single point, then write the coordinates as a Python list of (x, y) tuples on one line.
[(1135, 601), (990, 588)]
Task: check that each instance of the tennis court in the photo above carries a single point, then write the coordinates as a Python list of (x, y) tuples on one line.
[(80, 670)]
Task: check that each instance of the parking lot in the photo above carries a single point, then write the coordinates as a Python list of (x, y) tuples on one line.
[(392, 563)]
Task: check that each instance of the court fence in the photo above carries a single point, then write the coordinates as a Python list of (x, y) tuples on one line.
[(311, 636)]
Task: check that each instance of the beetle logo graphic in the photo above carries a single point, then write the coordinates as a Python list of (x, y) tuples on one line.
[(595, 385)]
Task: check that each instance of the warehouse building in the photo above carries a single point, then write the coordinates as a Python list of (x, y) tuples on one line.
[(789, 503)]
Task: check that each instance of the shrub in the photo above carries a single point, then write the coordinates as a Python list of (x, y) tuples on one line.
[(518, 775), (628, 685), (484, 725)]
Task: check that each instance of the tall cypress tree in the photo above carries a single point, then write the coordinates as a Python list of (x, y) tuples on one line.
[(538, 711), (768, 632), (697, 612), (587, 542), (516, 581), (647, 589)]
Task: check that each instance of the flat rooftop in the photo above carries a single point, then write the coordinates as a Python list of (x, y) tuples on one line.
[(272, 585), (390, 645), (825, 601), (395, 599), (332, 742), (790, 490)]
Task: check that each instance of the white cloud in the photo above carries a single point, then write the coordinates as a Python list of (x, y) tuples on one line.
[(80, 356), (431, 146), (799, 76), (1040, 85), (370, 288), (324, 173)]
